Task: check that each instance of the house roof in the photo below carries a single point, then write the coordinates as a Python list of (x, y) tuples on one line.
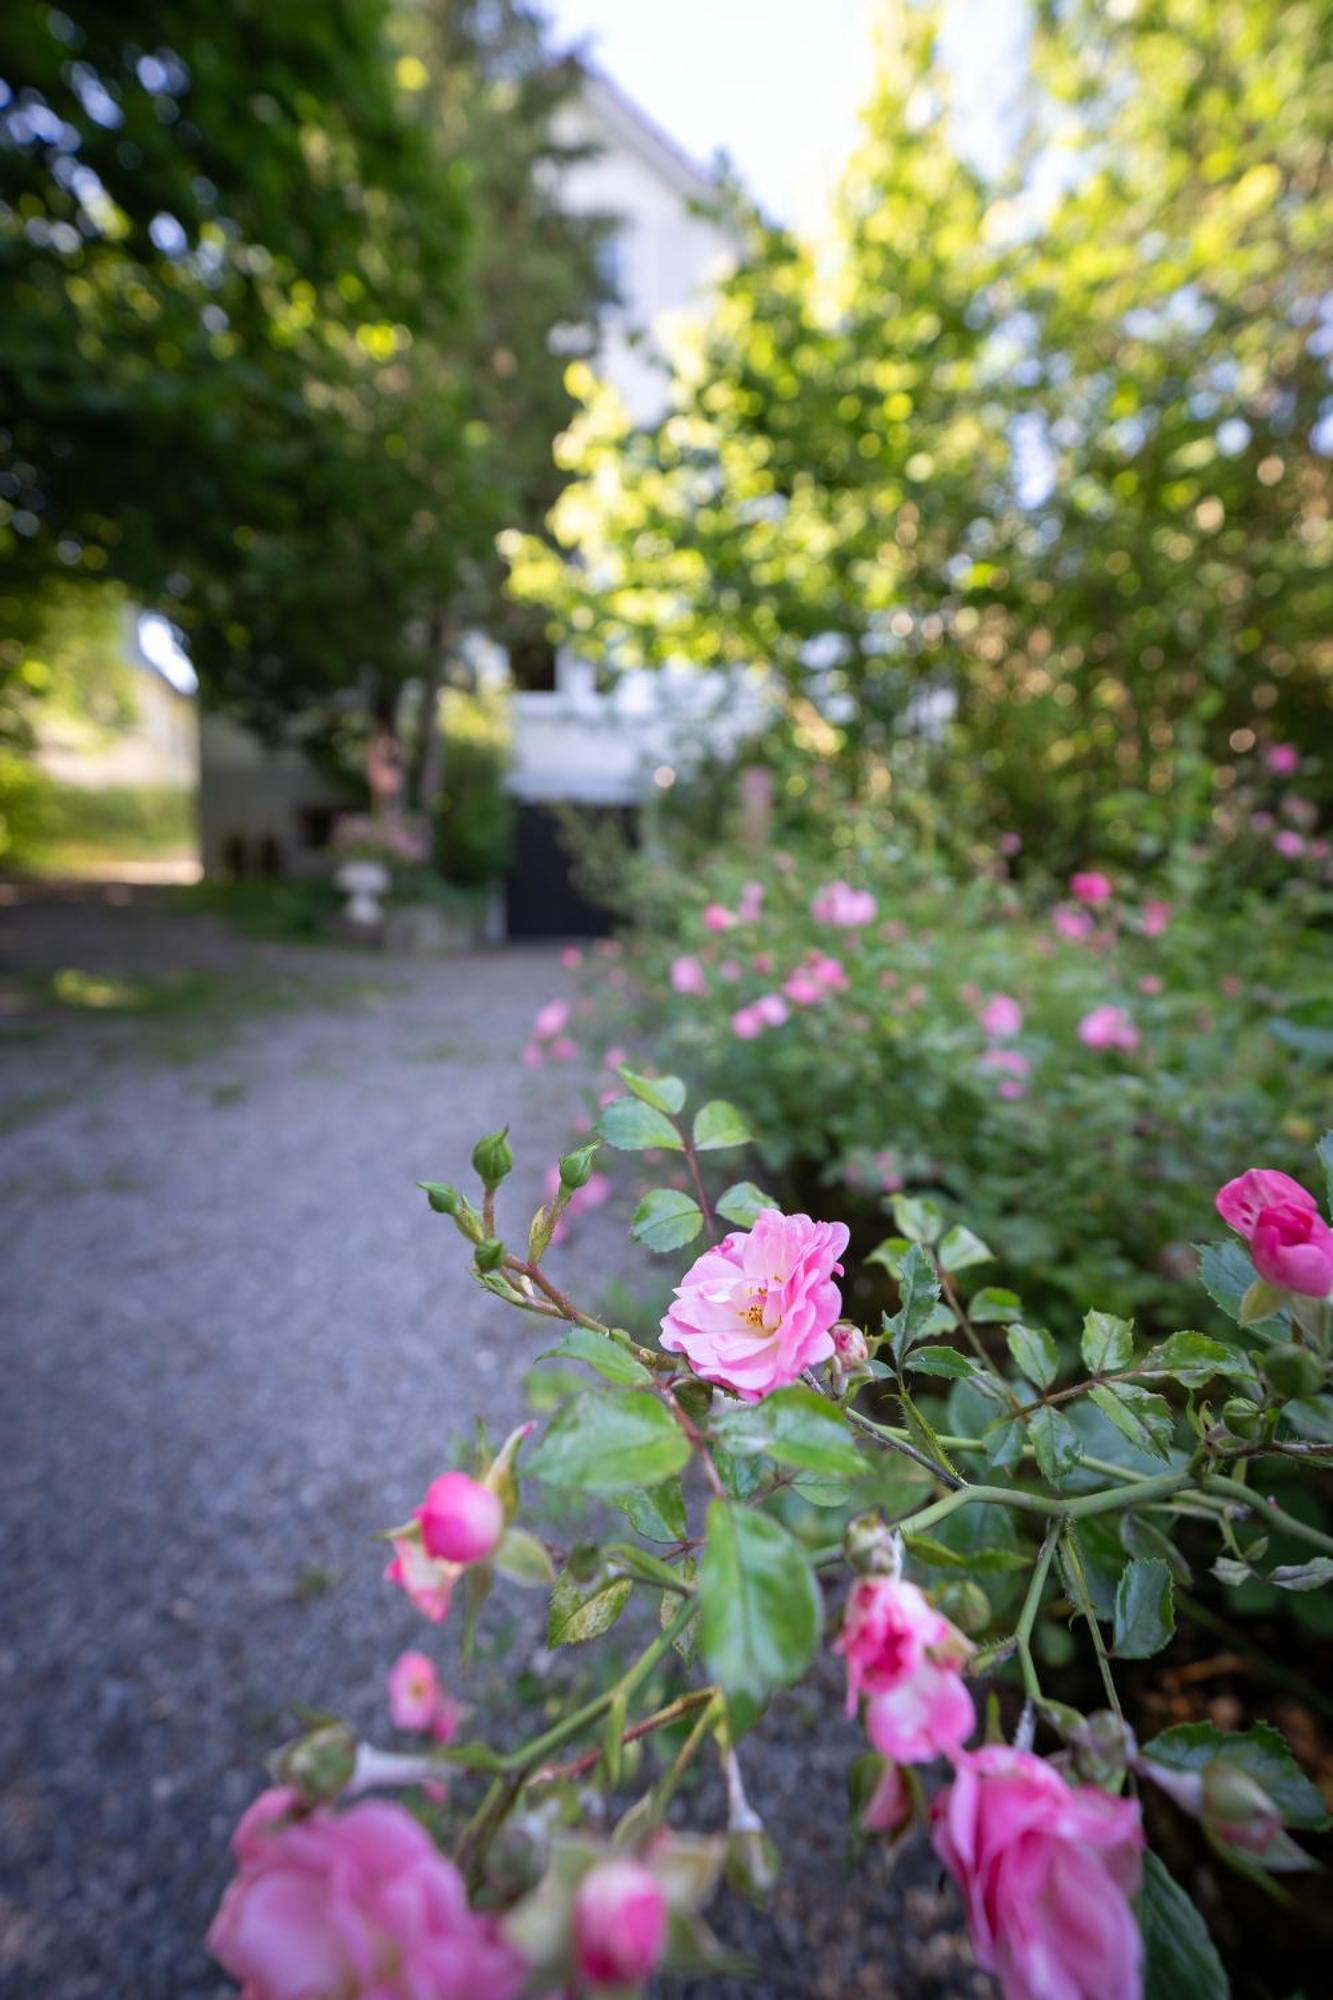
[(632, 124)]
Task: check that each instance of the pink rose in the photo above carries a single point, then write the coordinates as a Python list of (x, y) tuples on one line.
[(1048, 1873), (891, 1804), (428, 1583), (1283, 760), (1262, 822), (532, 1057), (614, 1057), (751, 902), (1090, 887), (562, 1049), (904, 1656), (688, 976), (1008, 1060), (717, 917), (550, 1019), (1150, 983), (461, 1520), (1001, 1016), (829, 973), (730, 970), (758, 1310), (1155, 918), (1288, 843), (1291, 1244), (763, 961), (1072, 923), (1011, 843), (1108, 1028), (838, 903), (746, 1023), (771, 1009), (571, 957), (359, 1903), (414, 1691), (620, 1924), (803, 988)]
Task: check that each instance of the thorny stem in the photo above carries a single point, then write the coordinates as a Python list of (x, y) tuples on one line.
[(1277, 1517), (684, 1704), (1077, 1507), (888, 1439), (561, 1306), (692, 1161), (1084, 1600), (698, 1442), (970, 1334), (1027, 1617), (518, 1766)]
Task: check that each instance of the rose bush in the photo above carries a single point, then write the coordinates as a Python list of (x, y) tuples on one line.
[(949, 1531), (1057, 1064)]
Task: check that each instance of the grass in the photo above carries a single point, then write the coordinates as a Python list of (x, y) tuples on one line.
[(74, 829)]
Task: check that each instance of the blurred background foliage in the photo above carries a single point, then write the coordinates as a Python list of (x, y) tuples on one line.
[(1039, 471)]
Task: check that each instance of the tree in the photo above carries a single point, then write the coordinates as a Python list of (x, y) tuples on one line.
[(223, 233), (831, 440), (1062, 455)]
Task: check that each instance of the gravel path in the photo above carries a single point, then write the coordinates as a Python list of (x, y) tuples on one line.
[(235, 1344)]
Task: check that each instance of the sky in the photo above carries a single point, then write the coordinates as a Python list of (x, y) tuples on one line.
[(777, 83)]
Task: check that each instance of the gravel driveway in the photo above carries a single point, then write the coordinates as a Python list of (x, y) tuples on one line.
[(236, 1343)]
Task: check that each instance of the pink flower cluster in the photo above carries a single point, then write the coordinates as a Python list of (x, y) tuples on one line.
[(1091, 887), (769, 1011), (548, 1041), (418, 1701), (1289, 1242), (360, 1903), (755, 1312), (1048, 1873), (1108, 1028), (904, 1657), (839, 904), (459, 1522)]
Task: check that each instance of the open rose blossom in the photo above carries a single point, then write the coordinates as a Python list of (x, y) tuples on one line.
[(838, 903), (359, 1904), (904, 1656), (620, 1924), (1108, 1028), (756, 1311), (1001, 1016), (688, 976), (1090, 887), (1048, 1873), (1288, 1239)]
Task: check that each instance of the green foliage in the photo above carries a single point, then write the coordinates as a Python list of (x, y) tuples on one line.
[(759, 1604), (1179, 1956), (1054, 448), (475, 812)]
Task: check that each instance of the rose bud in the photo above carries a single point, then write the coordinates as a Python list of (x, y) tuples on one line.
[(620, 1924), (751, 1863), (1236, 1809), (493, 1158), (576, 1167), (850, 1345), (1293, 1370), (319, 1766), (461, 1520)]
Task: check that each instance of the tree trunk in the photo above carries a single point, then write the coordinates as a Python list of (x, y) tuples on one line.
[(430, 742)]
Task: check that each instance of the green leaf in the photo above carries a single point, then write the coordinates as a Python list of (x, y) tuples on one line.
[(1055, 1442), (664, 1093), (1035, 1353), (523, 1559), (606, 1441), (959, 1249), (1180, 1961), (718, 1125), (658, 1513), (919, 1220), (1107, 1344), (761, 1611), (1260, 1750), (608, 1357), (942, 1361), (1004, 1439), (1226, 1274), (992, 1304), (978, 1562), (1144, 1611), (1145, 1419), (743, 1203), (665, 1219), (1261, 1302), (585, 1610), (1194, 1359), (1324, 1154), (889, 1254), (796, 1427), (1311, 1575), (919, 1292), (633, 1127)]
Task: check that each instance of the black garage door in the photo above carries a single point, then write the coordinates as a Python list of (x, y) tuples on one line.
[(542, 898)]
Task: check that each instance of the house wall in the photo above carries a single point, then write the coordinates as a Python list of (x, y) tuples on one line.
[(262, 811)]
